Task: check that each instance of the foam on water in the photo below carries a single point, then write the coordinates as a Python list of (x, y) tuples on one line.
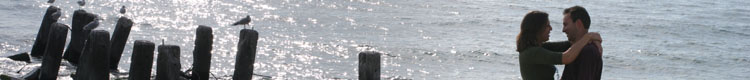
[(421, 39)]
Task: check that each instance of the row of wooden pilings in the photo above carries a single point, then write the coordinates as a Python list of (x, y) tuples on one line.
[(96, 54)]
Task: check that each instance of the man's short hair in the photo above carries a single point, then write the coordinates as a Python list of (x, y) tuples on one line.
[(578, 12)]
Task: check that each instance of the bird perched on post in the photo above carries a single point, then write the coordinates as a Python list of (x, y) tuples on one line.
[(81, 3), (56, 15), (122, 10), (244, 22), (91, 25)]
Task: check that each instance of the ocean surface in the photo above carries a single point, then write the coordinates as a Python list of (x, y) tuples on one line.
[(420, 39)]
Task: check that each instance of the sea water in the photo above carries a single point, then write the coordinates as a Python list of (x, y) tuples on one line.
[(420, 39)]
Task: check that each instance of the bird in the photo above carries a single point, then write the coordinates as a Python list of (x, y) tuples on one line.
[(122, 10), (244, 22), (81, 3), (91, 26), (55, 15)]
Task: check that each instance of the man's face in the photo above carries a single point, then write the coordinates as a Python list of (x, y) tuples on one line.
[(572, 29)]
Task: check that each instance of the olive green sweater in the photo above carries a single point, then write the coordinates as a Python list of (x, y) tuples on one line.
[(537, 63)]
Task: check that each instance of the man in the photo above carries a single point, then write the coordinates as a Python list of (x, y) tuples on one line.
[(588, 65)]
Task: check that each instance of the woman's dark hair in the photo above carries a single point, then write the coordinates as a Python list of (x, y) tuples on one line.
[(533, 23)]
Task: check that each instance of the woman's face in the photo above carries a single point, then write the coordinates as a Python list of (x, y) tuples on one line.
[(544, 35)]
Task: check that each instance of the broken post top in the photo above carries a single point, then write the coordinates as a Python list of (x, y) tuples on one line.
[(170, 49), (99, 33), (54, 13), (53, 9), (84, 13), (249, 33), (59, 28), (81, 18), (370, 53), (203, 38), (144, 42), (202, 29), (124, 21)]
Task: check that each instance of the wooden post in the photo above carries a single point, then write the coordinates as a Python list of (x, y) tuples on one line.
[(243, 68), (369, 65), (202, 53), (41, 37), (142, 60), (119, 38), (94, 62), (52, 56), (78, 36), (168, 63)]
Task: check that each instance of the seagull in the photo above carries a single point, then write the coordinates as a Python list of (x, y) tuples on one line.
[(122, 10), (82, 2), (243, 22), (56, 15), (91, 26)]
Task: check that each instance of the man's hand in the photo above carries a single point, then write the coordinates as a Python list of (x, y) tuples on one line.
[(594, 36), (596, 39), (599, 45)]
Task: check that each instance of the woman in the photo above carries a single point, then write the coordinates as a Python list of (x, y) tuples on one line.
[(536, 62)]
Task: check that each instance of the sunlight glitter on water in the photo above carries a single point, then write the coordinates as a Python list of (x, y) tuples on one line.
[(420, 39)]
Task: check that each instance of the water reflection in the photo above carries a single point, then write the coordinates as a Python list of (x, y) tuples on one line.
[(320, 39)]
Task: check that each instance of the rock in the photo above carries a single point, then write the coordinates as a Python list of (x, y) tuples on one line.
[(21, 57)]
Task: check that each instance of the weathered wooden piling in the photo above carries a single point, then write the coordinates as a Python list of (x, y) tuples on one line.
[(41, 37), (141, 60), (119, 38), (77, 37), (202, 53), (168, 63), (94, 62), (369, 65), (243, 68), (52, 56)]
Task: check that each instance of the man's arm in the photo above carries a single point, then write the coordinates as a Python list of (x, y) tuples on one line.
[(558, 46)]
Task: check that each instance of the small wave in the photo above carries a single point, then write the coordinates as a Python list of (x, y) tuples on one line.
[(734, 32)]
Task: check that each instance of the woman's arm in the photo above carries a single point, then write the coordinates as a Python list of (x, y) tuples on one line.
[(570, 55), (557, 46)]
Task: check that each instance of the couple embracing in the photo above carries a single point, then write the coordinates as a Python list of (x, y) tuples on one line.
[(581, 54)]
